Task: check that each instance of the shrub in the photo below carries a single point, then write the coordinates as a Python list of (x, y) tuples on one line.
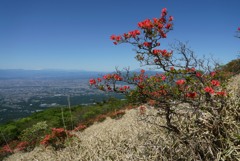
[(57, 138), (232, 68), (33, 135), (189, 95)]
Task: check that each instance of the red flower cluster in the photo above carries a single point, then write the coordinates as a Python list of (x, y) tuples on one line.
[(180, 82), (159, 25), (124, 88), (57, 136), (7, 149), (112, 76), (191, 69), (92, 82), (164, 12), (147, 44), (198, 74), (22, 146), (168, 26), (212, 74), (163, 77), (99, 79), (221, 93), (46, 140), (215, 83), (58, 132), (209, 90), (191, 94), (116, 38), (134, 33), (170, 18), (164, 52), (130, 34), (146, 24)]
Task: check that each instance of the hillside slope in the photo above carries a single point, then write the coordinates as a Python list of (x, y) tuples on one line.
[(107, 140), (128, 138)]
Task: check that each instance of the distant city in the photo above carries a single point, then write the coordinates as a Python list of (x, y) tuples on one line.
[(23, 92)]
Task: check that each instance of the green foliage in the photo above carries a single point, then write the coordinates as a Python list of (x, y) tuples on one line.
[(232, 67), (134, 97), (34, 134), (52, 118), (9, 132), (89, 115)]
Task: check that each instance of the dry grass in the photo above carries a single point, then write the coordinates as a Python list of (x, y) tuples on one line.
[(123, 139), (137, 137)]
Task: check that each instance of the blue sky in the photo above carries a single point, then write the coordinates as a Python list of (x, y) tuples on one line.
[(74, 34)]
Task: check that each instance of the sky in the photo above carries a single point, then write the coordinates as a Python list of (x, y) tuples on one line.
[(75, 34)]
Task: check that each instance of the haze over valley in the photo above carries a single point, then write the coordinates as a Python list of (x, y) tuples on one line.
[(23, 92)]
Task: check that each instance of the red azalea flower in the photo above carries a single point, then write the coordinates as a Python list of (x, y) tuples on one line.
[(168, 26), (125, 35), (7, 149), (92, 81), (198, 74), (170, 18), (108, 76), (165, 53), (213, 74), (191, 94), (215, 83), (146, 24), (118, 38), (209, 90), (137, 32), (163, 35), (117, 77), (164, 12), (155, 20), (180, 82), (147, 44), (221, 93), (163, 77), (46, 140), (160, 26), (126, 87), (99, 80), (156, 51), (172, 68), (113, 37)]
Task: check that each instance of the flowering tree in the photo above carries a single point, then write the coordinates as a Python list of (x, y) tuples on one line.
[(184, 78)]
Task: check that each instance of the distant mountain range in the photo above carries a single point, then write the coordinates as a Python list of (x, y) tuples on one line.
[(52, 73), (20, 73)]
